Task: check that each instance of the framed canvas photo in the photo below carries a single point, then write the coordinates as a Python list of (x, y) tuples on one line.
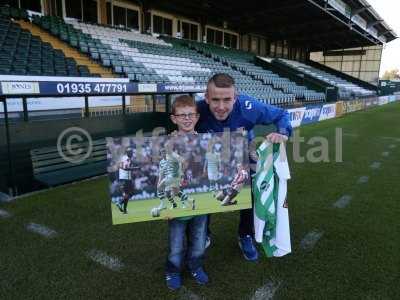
[(165, 177)]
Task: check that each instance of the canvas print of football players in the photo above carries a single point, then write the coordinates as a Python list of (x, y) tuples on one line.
[(158, 178)]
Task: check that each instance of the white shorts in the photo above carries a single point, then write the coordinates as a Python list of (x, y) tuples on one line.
[(171, 183)]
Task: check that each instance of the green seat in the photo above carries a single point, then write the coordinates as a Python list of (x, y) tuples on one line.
[(5, 11), (73, 43), (84, 49), (106, 62)]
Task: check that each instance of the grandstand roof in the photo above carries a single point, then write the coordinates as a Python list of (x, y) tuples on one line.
[(310, 23)]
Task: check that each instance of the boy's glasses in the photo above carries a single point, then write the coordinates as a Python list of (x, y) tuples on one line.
[(184, 116)]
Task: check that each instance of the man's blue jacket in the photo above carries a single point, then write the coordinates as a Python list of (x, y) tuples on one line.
[(247, 112)]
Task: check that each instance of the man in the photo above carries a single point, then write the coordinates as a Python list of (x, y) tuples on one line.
[(224, 108)]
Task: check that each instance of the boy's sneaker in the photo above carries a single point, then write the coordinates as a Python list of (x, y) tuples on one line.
[(173, 280), (200, 276), (249, 251)]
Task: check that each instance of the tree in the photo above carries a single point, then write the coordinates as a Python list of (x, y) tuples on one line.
[(391, 74)]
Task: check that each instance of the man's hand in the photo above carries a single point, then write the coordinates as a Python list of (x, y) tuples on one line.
[(276, 138)]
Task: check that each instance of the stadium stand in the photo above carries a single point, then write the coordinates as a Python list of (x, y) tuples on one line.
[(244, 62), (148, 59), (25, 54), (67, 39), (88, 49), (144, 58), (347, 89)]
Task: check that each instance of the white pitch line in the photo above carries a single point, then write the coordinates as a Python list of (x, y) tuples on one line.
[(102, 258), (4, 214), (350, 134), (186, 294), (41, 229), (267, 291), (392, 146), (375, 165), (363, 179), (342, 202), (390, 138), (385, 154), (311, 239)]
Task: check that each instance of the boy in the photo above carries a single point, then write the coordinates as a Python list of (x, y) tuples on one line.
[(192, 229)]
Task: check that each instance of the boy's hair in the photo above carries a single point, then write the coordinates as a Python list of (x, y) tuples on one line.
[(183, 101), (222, 80)]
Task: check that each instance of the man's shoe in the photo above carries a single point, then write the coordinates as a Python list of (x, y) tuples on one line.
[(249, 251), (173, 280), (200, 276)]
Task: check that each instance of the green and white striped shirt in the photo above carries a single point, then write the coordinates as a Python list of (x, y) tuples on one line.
[(271, 217)]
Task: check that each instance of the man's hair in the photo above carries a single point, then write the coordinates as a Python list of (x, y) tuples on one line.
[(183, 101), (222, 80)]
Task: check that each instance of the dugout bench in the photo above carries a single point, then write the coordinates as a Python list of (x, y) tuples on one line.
[(51, 168)]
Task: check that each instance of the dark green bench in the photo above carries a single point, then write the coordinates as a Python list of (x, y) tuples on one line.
[(51, 169)]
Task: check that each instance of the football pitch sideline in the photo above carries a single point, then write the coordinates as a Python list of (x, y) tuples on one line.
[(344, 217)]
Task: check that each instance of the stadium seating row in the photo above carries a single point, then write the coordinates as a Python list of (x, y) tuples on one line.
[(244, 62), (347, 89), (21, 53)]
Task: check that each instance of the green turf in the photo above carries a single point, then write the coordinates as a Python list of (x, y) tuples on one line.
[(356, 258), (139, 210)]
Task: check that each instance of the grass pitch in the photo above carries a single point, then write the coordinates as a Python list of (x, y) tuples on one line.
[(139, 210), (357, 256)]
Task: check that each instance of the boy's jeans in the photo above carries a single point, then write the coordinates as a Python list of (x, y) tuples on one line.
[(193, 250)]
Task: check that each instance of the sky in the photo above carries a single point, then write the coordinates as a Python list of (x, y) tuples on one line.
[(389, 10)]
